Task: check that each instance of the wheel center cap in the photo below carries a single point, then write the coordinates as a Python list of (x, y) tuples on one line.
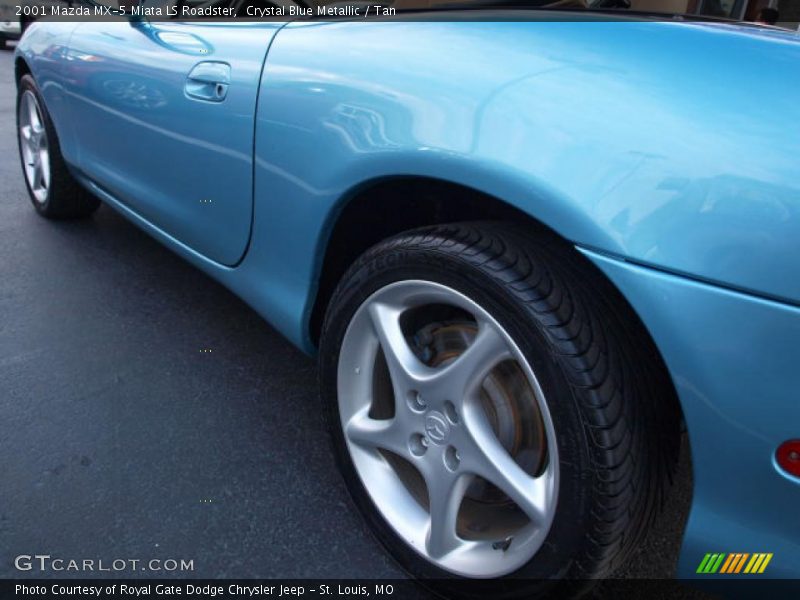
[(436, 427)]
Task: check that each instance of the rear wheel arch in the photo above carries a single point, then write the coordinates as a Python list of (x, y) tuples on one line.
[(381, 208)]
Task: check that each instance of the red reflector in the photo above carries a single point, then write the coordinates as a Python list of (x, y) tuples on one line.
[(788, 457)]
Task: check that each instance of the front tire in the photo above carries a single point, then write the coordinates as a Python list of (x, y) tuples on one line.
[(480, 377), (53, 190)]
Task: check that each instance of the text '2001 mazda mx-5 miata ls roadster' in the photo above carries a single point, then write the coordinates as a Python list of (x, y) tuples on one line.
[(525, 252)]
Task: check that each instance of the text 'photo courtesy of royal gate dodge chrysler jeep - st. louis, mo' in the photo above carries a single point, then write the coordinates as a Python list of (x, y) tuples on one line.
[(529, 254)]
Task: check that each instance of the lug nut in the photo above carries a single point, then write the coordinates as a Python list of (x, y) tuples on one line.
[(418, 444), (416, 401), (450, 412), (451, 458)]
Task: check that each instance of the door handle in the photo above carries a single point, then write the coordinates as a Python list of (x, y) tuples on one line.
[(209, 81)]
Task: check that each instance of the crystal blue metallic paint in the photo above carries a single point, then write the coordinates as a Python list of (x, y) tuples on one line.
[(734, 361), (150, 139), (667, 152)]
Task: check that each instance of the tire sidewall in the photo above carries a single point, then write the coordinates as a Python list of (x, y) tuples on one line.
[(555, 557)]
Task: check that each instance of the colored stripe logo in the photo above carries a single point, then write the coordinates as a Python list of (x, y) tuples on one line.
[(734, 563)]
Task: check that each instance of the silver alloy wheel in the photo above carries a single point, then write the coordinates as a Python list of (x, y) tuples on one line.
[(34, 145), (461, 460)]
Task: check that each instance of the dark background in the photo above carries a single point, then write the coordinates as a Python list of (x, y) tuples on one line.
[(119, 438)]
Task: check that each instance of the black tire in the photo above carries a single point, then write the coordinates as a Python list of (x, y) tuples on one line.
[(612, 403), (66, 198)]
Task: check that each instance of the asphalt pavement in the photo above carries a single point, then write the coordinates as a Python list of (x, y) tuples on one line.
[(120, 438)]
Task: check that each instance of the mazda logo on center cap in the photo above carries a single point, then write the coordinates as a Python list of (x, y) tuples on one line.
[(437, 428)]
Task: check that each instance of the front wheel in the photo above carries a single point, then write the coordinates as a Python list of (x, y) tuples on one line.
[(53, 190), (487, 411)]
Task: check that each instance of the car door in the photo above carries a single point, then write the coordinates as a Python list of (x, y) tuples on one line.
[(164, 114)]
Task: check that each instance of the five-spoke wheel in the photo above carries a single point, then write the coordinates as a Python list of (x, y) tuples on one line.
[(54, 191), (33, 146), (448, 428)]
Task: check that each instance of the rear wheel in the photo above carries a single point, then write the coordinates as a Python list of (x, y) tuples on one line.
[(488, 412), (53, 190)]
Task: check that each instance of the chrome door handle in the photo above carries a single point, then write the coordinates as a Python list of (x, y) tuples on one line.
[(209, 81)]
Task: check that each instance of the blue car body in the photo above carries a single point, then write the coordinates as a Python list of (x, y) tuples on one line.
[(667, 152)]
